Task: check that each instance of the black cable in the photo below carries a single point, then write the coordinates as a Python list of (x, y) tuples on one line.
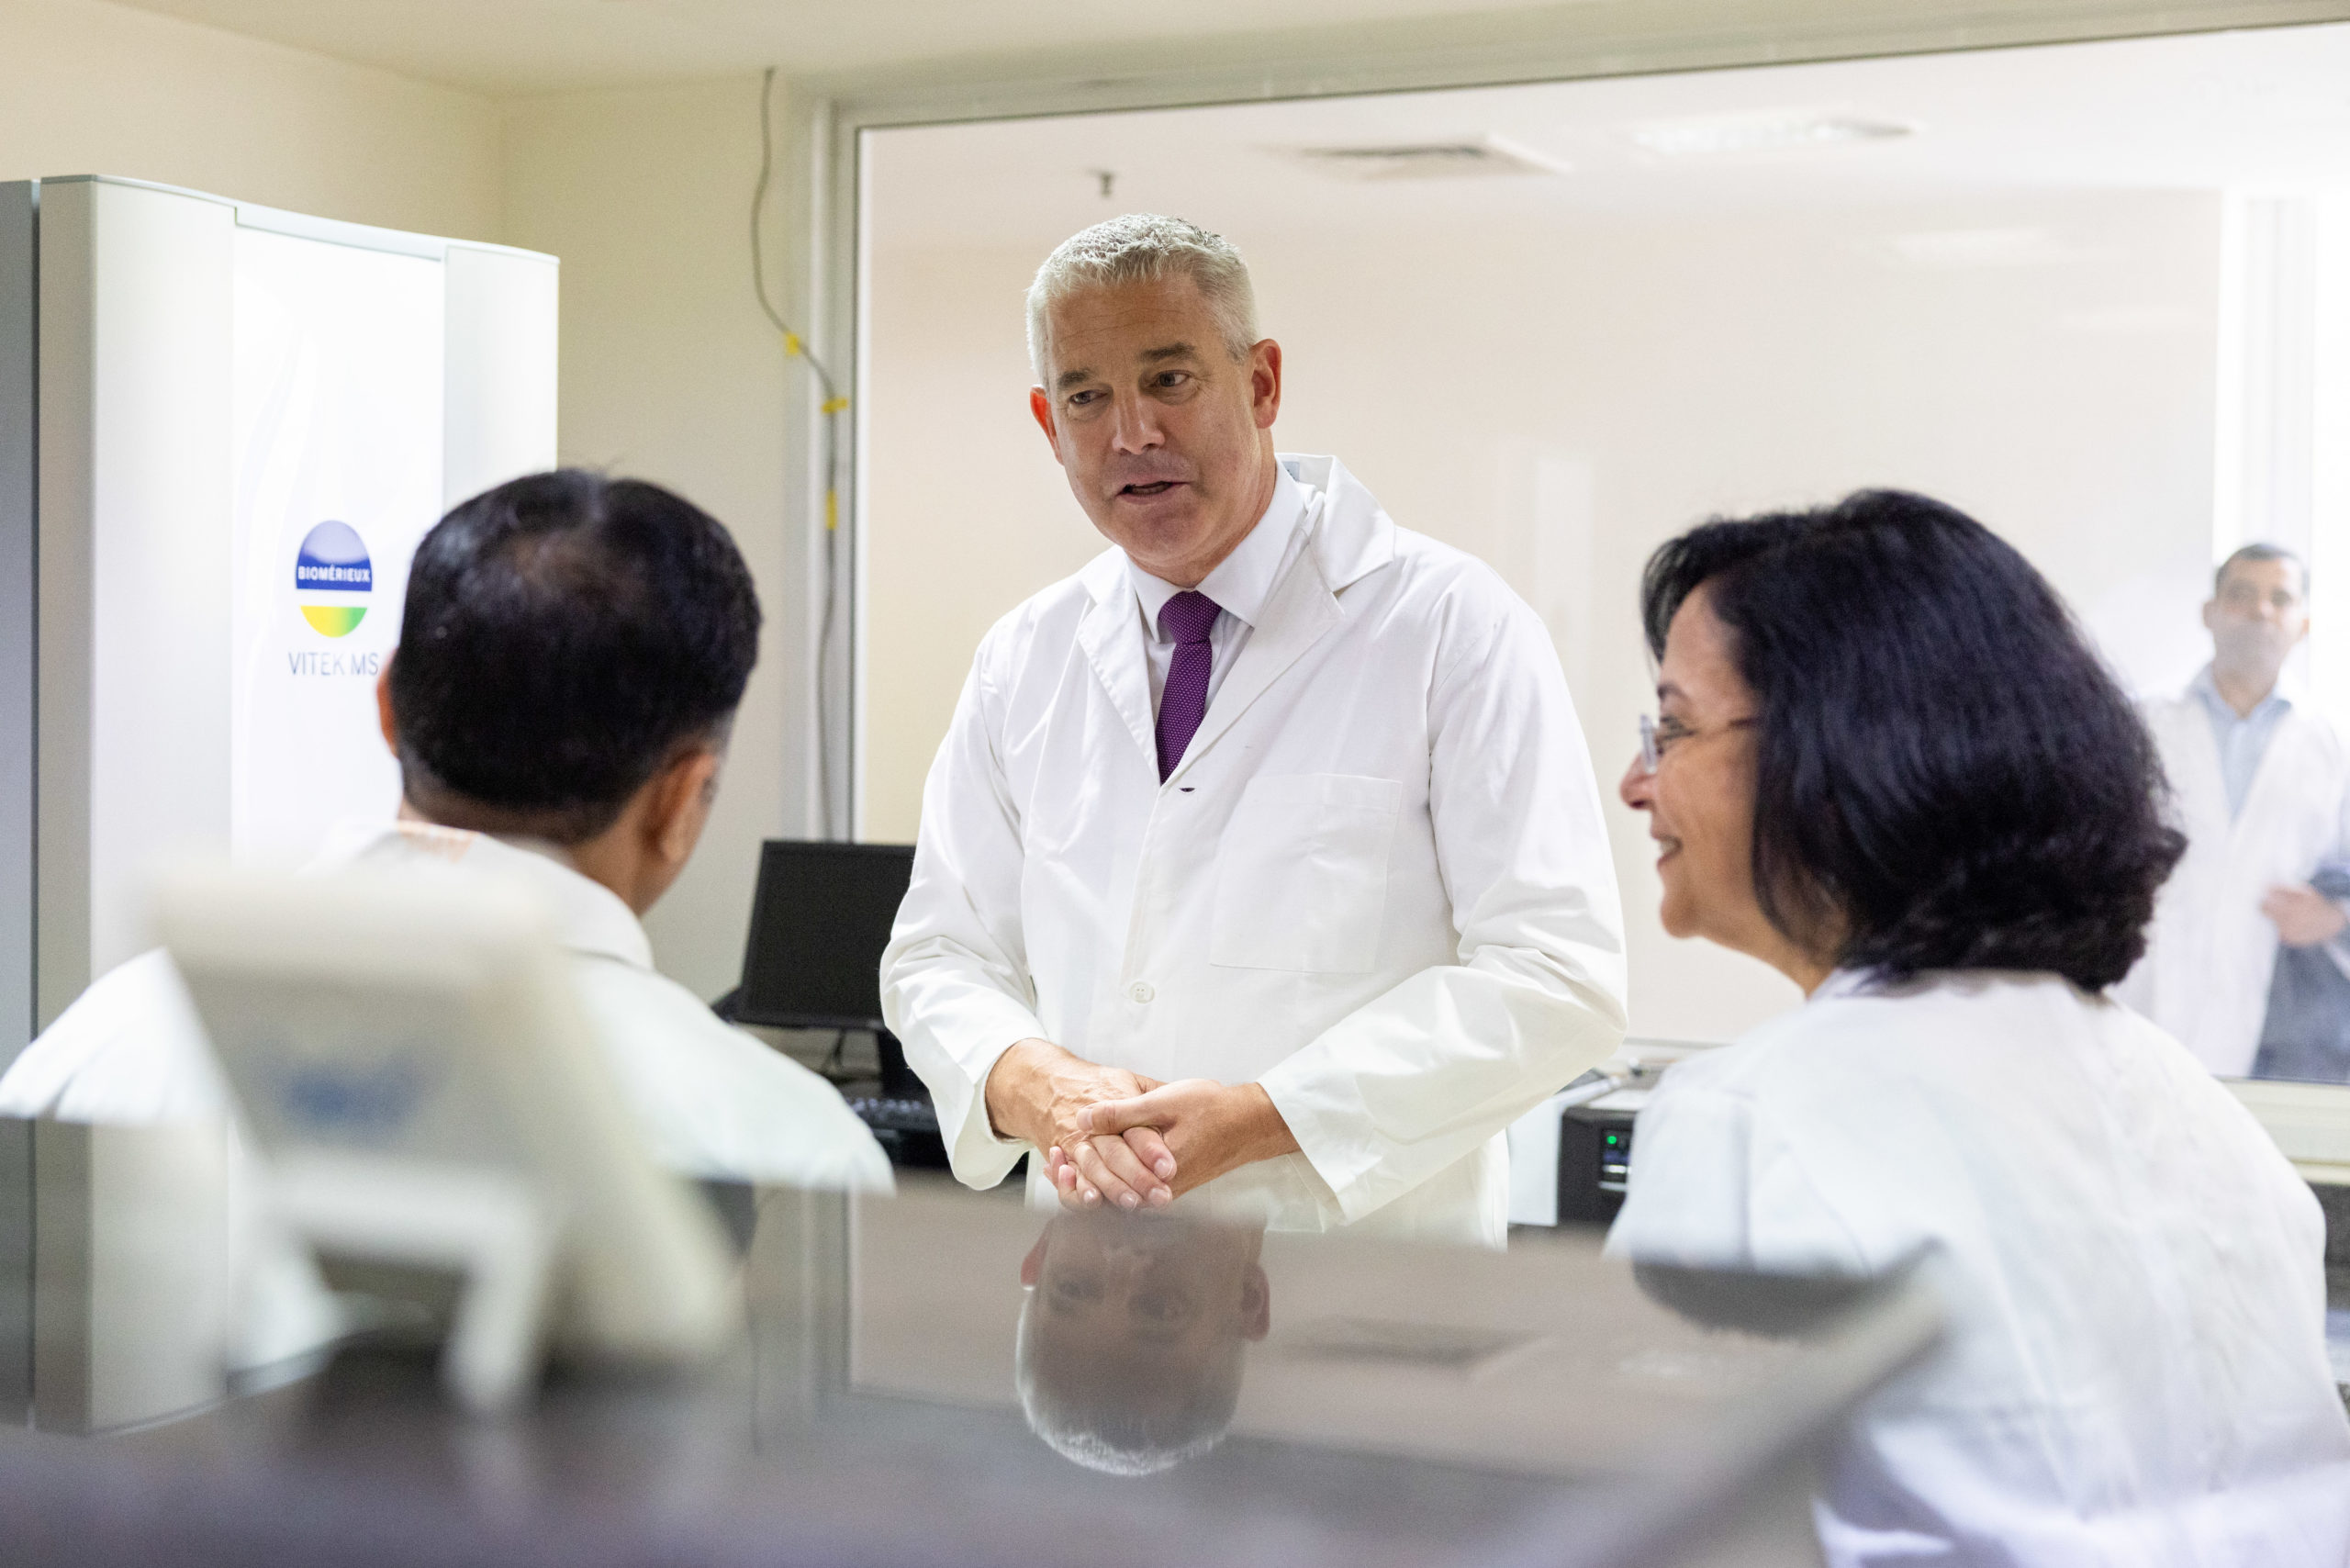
[(834, 404), (793, 343)]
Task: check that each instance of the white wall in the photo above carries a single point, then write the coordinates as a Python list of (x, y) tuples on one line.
[(92, 88), (669, 373), (1561, 401)]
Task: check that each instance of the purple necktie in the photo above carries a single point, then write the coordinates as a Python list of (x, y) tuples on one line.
[(1186, 618)]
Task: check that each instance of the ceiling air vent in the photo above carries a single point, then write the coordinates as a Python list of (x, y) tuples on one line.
[(1431, 160), (1775, 132)]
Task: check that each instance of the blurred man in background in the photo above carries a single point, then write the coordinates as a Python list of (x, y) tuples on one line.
[(2260, 785)]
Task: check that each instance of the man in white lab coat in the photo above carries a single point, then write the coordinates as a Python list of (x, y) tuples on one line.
[(1262, 860), (573, 651), (2261, 788)]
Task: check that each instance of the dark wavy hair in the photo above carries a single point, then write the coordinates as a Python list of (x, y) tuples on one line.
[(565, 635), (1947, 777)]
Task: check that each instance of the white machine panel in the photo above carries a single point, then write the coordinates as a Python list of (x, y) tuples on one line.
[(247, 419), (501, 368), (339, 431)]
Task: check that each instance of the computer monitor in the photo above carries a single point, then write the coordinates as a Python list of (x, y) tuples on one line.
[(818, 922)]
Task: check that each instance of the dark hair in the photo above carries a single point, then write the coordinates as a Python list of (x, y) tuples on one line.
[(2261, 551), (1946, 775), (566, 635)]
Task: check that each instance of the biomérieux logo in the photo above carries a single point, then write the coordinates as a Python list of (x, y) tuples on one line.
[(334, 579)]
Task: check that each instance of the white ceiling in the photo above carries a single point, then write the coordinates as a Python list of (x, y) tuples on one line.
[(527, 46), (2255, 110)]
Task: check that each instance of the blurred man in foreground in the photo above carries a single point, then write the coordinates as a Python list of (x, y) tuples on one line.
[(572, 655)]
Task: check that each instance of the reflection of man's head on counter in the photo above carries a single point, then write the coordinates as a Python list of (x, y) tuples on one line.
[(1131, 1340)]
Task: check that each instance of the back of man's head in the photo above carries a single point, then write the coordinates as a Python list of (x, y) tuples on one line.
[(565, 636)]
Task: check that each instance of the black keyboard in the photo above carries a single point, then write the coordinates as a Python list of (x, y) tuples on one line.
[(906, 1129), (883, 1114)]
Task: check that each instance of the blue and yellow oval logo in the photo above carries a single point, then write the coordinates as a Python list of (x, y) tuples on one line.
[(330, 572)]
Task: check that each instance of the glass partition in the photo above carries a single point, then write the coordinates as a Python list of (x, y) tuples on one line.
[(2096, 294)]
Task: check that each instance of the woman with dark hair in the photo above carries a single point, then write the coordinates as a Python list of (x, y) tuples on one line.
[(1889, 765)]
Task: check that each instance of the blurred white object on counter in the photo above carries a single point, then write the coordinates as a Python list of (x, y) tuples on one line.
[(414, 1065)]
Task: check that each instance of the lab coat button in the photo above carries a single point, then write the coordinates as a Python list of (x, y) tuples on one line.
[(1142, 991)]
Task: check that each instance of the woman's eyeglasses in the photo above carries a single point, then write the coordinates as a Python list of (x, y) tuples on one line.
[(1661, 735)]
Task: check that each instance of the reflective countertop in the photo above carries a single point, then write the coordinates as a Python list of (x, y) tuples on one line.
[(949, 1377)]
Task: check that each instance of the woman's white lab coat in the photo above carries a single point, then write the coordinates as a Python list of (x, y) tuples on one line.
[(2134, 1372), (2210, 952), (1378, 883)]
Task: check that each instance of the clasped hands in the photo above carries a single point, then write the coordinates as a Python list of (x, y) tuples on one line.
[(1109, 1136)]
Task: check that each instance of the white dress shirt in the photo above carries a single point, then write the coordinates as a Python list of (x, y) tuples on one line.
[(1378, 883), (1240, 586), (2241, 738), (714, 1101), (2134, 1372)]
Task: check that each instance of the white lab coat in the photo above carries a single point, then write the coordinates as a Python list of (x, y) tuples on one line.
[(1378, 883), (2210, 953), (2135, 1373)]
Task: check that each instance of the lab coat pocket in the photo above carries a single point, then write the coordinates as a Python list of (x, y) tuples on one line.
[(1301, 877)]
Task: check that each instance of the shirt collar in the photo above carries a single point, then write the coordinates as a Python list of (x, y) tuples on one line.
[(589, 917), (2208, 689), (1840, 982), (1242, 580)]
